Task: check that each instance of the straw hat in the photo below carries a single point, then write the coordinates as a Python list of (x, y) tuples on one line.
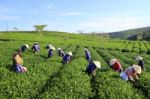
[(52, 47), (85, 49), (138, 58), (70, 53), (18, 59), (35, 42), (27, 46), (49, 45), (113, 61), (58, 48), (137, 69), (97, 64)]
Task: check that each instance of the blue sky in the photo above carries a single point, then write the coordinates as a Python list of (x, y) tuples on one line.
[(75, 15)]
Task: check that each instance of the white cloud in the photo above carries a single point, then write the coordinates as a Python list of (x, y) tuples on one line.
[(7, 17), (70, 14), (49, 6), (110, 24)]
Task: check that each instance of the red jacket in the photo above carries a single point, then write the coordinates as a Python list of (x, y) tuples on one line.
[(117, 66)]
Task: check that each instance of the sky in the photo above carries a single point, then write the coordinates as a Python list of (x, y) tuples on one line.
[(75, 15)]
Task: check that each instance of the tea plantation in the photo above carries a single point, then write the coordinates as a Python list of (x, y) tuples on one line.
[(50, 79)]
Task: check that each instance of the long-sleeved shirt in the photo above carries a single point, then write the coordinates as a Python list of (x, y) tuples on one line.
[(90, 68), (131, 73), (87, 55), (61, 53), (141, 63), (36, 48), (66, 58), (117, 66), (23, 48), (50, 53)]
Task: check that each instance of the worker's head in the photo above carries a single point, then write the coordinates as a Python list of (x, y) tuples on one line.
[(52, 48), (35, 43), (58, 49), (113, 61), (137, 69), (97, 64), (70, 53), (85, 49), (27, 46), (138, 58)]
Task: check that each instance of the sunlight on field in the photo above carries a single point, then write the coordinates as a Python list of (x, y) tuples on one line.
[(49, 78)]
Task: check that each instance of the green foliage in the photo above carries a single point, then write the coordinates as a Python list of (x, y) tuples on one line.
[(39, 28), (50, 79)]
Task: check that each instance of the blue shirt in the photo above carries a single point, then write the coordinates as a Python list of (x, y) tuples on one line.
[(141, 63), (36, 47), (60, 52), (50, 53), (88, 56), (90, 68), (66, 58), (23, 48)]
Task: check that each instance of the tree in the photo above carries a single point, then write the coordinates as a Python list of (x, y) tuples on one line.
[(15, 28), (80, 31), (39, 28)]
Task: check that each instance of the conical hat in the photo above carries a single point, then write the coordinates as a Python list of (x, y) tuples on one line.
[(137, 69), (58, 48), (18, 59), (138, 58), (97, 64), (53, 48), (85, 49), (27, 46), (70, 53), (113, 61), (49, 45)]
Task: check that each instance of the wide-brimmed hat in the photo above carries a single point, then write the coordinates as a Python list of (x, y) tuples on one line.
[(52, 47), (113, 61), (27, 46), (138, 58), (58, 48), (18, 59), (70, 53), (85, 49), (49, 45), (137, 68), (35, 42), (97, 64)]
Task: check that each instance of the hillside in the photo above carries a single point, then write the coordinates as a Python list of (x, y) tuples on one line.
[(133, 34), (48, 78)]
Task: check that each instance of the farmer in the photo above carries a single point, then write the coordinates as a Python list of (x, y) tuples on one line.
[(87, 55), (131, 73), (67, 57), (49, 46), (17, 62), (60, 52), (36, 48), (140, 61), (24, 47), (50, 52), (92, 67), (115, 65)]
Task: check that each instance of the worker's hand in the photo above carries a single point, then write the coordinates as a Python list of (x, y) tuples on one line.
[(133, 81)]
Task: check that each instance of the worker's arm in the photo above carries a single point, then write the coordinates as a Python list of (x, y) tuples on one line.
[(131, 78), (136, 76)]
